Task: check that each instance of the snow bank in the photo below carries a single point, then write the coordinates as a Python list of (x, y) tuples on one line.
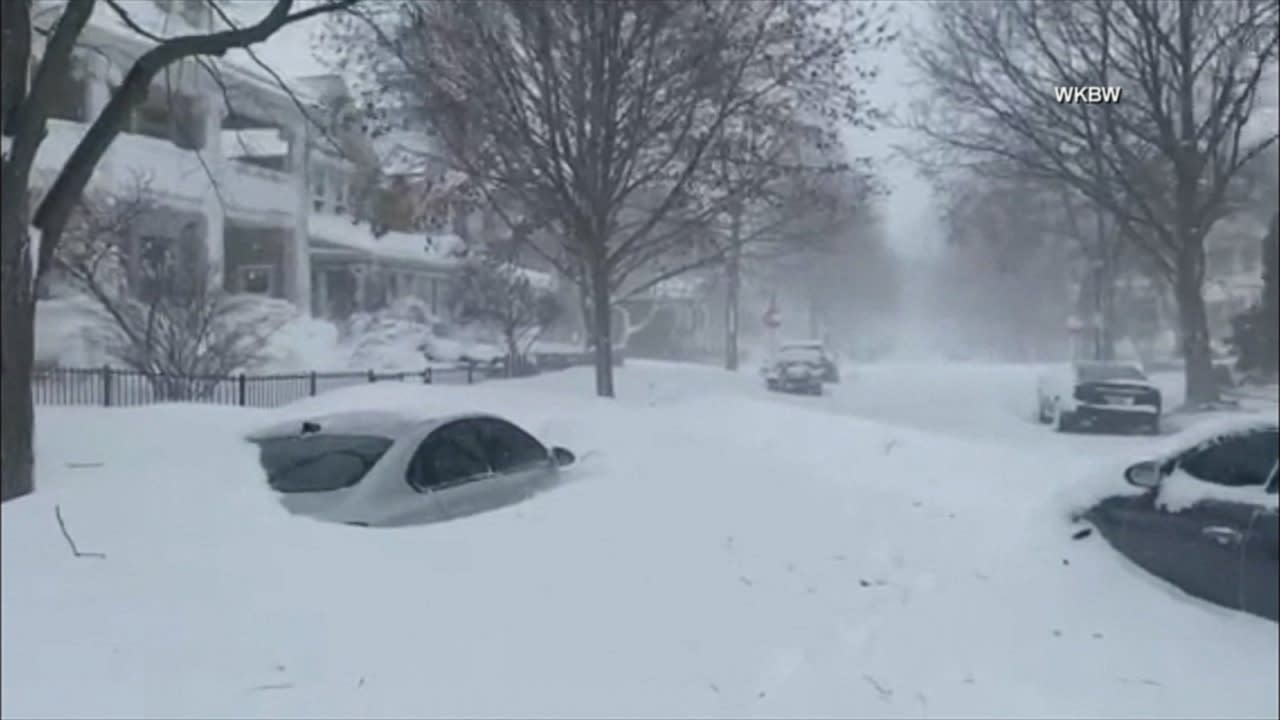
[(720, 555)]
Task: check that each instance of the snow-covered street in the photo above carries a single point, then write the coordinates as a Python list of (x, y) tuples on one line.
[(897, 548)]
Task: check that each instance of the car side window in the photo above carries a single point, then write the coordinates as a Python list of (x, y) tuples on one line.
[(509, 448), (452, 454), (1238, 461), (319, 463)]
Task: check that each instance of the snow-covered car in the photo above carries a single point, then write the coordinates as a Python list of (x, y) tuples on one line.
[(796, 370), (1202, 514), (388, 469), (1098, 394), (830, 363)]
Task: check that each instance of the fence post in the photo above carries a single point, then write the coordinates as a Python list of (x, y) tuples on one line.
[(373, 378), (106, 386), (426, 376), (240, 389), (313, 383), (471, 367)]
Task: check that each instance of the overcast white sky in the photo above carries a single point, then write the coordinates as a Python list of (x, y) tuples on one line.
[(910, 216)]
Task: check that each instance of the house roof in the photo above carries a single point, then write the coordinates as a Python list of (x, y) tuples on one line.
[(435, 250)]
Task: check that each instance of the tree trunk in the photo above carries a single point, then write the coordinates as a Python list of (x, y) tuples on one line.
[(17, 356), (513, 351), (1271, 296), (732, 304), (602, 329), (584, 306), (1193, 326), (1189, 231)]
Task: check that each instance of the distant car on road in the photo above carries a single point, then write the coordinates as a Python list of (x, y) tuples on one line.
[(388, 469), (1207, 522), (829, 360), (796, 370), (1098, 394)]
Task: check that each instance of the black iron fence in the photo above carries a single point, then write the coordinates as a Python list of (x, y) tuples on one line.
[(108, 386)]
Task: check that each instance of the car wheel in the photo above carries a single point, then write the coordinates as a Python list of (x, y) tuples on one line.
[(1063, 421)]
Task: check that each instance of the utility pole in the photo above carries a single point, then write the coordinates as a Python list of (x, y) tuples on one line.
[(733, 287)]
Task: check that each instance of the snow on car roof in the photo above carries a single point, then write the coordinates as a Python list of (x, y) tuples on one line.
[(1214, 429), (386, 423)]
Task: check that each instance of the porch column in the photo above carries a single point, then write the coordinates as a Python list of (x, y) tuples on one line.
[(97, 88), (213, 109), (297, 255), (321, 305)]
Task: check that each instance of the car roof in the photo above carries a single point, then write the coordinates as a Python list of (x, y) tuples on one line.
[(1214, 430), (385, 423), (1101, 364)]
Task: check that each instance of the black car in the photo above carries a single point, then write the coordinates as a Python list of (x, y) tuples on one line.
[(830, 363), (1099, 395), (1207, 521), (796, 370)]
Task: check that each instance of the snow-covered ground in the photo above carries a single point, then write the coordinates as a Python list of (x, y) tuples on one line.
[(895, 549)]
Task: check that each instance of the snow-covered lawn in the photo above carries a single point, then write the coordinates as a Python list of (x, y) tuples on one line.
[(722, 552)]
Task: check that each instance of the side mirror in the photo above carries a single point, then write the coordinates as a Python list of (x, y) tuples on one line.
[(562, 457), (1144, 475)]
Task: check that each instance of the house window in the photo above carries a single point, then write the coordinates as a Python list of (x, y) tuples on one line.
[(339, 196), (257, 279), (193, 11), (67, 101), (317, 191)]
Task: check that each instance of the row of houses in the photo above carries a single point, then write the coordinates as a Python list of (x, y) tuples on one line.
[(278, 187), (272, 182)]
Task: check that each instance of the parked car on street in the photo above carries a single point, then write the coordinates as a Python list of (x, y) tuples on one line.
[(796, 370), (829, 360), (388, 469), (1098, 395), (1207, 519)]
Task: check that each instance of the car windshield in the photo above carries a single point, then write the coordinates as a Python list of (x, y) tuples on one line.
[(1103, 372), (319, 462)]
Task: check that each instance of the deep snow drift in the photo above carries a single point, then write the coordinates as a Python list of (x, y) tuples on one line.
[(721, 552)]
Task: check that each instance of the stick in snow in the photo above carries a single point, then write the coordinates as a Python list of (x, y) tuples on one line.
[(75, 551)]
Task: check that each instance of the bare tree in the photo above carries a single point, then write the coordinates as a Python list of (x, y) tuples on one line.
[(597, 116), (1163, 161), (25, 102), (492, 289), (169, 317)]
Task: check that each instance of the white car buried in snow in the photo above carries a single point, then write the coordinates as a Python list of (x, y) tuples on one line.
[(1098, 394), (388, 469)]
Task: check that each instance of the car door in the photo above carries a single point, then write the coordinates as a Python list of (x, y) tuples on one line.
[(1169, 545), (452, 467), (521, 465), (1261, 571), (1200, 548)]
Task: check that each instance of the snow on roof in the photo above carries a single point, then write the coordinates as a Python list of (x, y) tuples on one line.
[(254, 142), (421, 248), (403, 152), (678, 288), (537, 278), (288, 52)]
